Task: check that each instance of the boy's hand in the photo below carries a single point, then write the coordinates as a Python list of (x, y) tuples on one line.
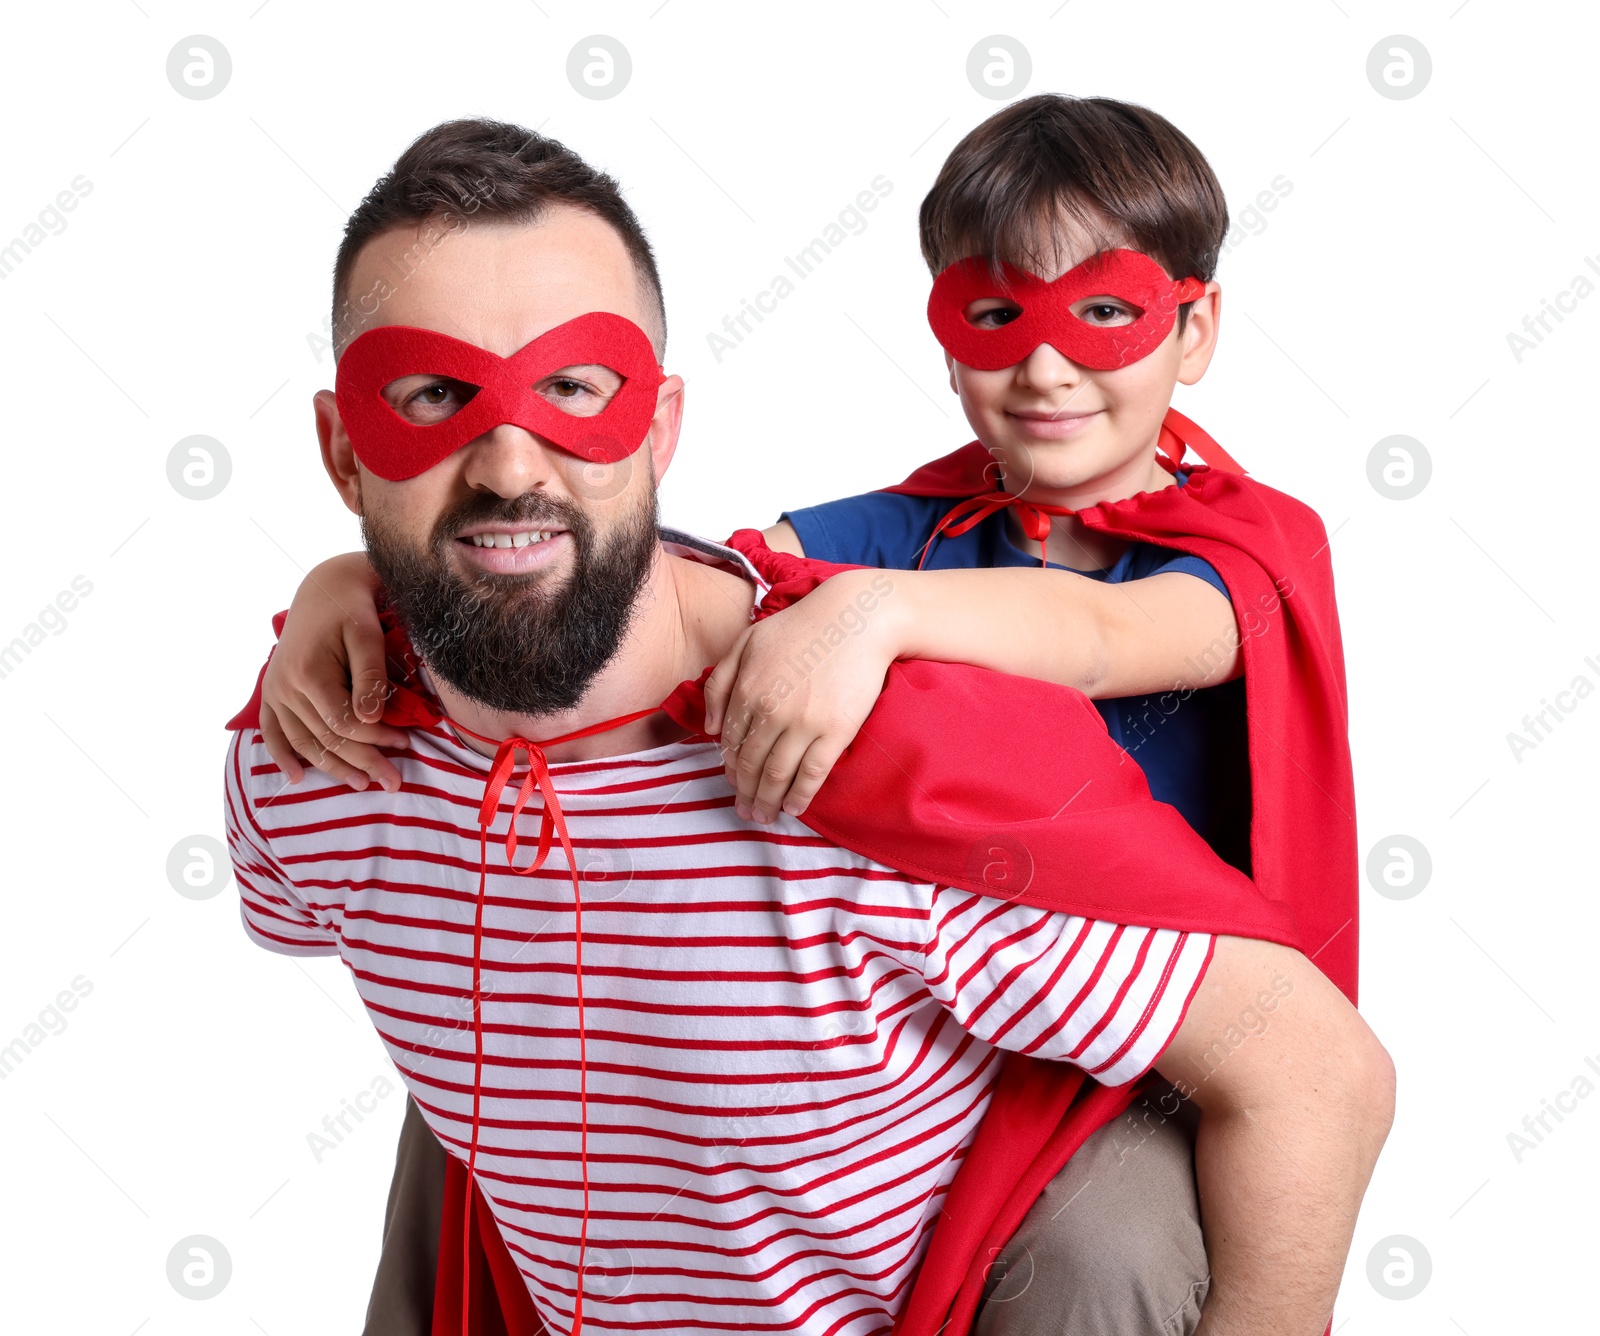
[(331, 640), (793, 691)]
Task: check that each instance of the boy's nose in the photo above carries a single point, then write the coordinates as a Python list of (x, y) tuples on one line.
[(1045, 368)]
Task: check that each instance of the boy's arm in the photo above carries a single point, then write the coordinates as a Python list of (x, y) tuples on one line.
[(1296, 1096), (1104, 639), (781, 537), (795, 689), (323, 690), (1159, 633)]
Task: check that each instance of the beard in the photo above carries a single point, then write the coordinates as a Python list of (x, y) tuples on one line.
[(518, 643)]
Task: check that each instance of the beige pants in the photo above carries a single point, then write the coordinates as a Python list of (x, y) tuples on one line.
[(1112, 1248), (402, 1291)]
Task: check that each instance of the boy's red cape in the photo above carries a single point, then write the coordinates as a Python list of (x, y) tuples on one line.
[(1013, 789)]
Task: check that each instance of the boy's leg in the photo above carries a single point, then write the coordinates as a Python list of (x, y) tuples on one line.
[(1113, 1247), (402, 1291)]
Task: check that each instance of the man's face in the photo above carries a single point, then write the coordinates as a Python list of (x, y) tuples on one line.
[(1052, 423), (514, 564)]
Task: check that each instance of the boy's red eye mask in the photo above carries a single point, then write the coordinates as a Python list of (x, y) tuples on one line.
[(396, 449), (1131, 277)]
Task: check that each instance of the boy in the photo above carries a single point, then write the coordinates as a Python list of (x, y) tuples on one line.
[(1076, 194)]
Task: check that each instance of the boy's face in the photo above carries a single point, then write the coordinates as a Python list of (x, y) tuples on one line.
[(1056, 426)]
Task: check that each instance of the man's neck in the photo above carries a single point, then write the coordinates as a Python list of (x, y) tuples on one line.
[(686, 617)]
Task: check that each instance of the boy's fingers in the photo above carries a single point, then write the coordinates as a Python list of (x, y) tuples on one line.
[(740, 717), (278, 746), (720, 683), (314, 741), (736, 727), (353, 759), (373, 763), (814, 768), (369, 677), (336, 713), (332, 709), (368, 692), (777, 774), (748, 767)]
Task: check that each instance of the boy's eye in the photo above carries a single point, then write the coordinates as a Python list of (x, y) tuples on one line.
[(992, 313), (581, 391), (1104, 312)]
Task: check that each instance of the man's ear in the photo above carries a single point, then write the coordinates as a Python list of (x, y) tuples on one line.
[(1200, 334), (338, 456), (666, 424)]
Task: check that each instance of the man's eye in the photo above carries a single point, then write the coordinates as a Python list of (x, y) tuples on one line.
[(436, 400), (581, 396)]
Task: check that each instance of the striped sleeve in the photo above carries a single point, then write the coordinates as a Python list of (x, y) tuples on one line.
[(270, 905), (1104, 996)]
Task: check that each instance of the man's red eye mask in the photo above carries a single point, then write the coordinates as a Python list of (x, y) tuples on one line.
[(396, 449), (1134, 279)]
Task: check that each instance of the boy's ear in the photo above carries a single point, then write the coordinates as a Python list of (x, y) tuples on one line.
[(338, 455), (1200, 334), (950, 366)]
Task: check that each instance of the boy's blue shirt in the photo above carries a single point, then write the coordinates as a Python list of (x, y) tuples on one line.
[(1194, 752)]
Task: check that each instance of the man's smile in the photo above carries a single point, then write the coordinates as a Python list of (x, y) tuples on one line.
[(511, 549)]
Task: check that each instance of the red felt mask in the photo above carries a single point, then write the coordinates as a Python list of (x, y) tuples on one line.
[(1046, 315), (396, 449)]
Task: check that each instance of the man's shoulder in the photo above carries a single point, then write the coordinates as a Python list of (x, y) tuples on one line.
[(254, 780), (248, 763)]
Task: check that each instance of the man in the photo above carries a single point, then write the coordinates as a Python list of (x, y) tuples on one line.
[(730, 1083)]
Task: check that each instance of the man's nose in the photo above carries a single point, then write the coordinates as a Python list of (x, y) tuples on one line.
[(509, 460)]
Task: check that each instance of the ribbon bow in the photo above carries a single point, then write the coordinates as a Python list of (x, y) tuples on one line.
[(552, 828), (1034, 516)]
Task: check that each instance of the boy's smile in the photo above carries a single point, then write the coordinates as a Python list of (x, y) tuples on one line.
[(1051, 425)]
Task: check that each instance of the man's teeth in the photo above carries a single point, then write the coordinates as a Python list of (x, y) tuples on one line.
[(509, 539)]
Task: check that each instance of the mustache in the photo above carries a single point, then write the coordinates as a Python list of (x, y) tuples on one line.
[(528, 643)]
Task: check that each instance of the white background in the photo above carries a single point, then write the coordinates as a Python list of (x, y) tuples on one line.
[(1375, 300)]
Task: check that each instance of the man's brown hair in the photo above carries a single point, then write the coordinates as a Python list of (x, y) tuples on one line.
[(1127, 174), (480, 170)]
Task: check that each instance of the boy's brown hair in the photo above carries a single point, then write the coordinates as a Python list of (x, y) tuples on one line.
[(1124, 172)]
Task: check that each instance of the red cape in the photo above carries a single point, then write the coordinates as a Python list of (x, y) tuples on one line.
[(1272, 553), (942, 783)]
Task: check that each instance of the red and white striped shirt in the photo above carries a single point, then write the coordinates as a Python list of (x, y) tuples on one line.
[(789, 1046)]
